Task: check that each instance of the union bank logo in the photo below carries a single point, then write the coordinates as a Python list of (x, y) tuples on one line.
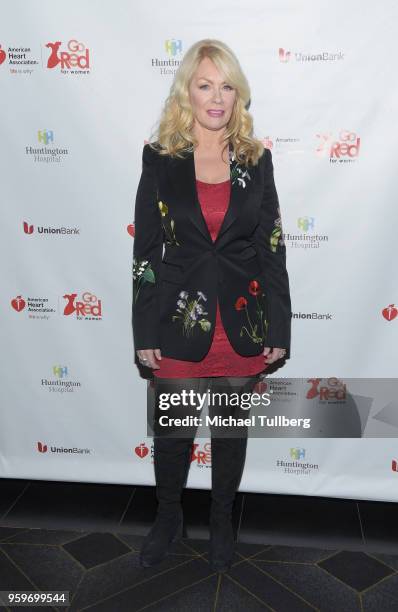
[(29, 229), (300, 57), (73, 450)]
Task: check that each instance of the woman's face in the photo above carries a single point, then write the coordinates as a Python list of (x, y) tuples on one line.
[(208, 92)]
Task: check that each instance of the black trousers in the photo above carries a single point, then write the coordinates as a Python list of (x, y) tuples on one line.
[(172, 445)]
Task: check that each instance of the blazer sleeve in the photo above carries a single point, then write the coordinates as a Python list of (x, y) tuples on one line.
[(272, 251), (147, 256)]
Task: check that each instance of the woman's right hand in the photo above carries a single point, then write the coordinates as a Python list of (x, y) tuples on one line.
[(147, 357)]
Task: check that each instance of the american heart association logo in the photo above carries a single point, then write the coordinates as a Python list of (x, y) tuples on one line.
[(18, 303), (141, 450), (2, 55), (260, 386), (390, 312)]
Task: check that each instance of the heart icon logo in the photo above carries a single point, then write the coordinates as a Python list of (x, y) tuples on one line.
[(141, 450), (260, 386), (390, 312), (18, 303), (131, 229), (2, 55)]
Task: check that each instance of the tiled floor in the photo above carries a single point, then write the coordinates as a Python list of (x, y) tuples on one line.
[(293, 553)]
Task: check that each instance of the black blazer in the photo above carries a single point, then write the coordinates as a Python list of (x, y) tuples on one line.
[(174, 295)]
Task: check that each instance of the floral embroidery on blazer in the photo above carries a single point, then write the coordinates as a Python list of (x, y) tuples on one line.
[(168, 229), (142, 272), (190, 311), (238, 174), (276, 235), (257, 331), (172, 315)]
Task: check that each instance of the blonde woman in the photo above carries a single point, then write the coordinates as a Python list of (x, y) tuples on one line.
[(213, 310)]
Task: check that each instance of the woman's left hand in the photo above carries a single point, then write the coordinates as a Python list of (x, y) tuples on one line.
[(274, 354)]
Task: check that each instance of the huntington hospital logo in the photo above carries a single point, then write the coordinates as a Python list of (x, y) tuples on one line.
[(172, 47), (168, 60), (45, 136)]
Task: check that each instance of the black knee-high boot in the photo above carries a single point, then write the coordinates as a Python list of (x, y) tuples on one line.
[(171, 462), (228, 459)]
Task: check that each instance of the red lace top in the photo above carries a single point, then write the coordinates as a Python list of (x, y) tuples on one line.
[(221, 359)]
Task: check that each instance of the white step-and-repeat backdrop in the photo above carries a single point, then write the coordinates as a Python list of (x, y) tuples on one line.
[(82, 87)]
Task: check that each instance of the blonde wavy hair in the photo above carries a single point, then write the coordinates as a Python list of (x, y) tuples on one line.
[(174, 134)]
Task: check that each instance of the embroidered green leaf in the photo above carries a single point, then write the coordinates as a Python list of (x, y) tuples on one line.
[(149, 275), (276, 233), (205, 325), (142, 272)]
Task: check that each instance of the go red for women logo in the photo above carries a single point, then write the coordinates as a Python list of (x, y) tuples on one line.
[(331, 389), (343, 148), (75, 56), (201, 456), (89, 307)]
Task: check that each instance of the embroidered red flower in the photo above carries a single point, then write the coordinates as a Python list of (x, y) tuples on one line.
[(255, 334), (240, 303), (254, 287)]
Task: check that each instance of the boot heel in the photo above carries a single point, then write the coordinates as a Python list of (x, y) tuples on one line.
[(157, 543), (222, 544)]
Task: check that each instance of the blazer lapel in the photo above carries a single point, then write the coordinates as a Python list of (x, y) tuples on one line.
[(182, 173)]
